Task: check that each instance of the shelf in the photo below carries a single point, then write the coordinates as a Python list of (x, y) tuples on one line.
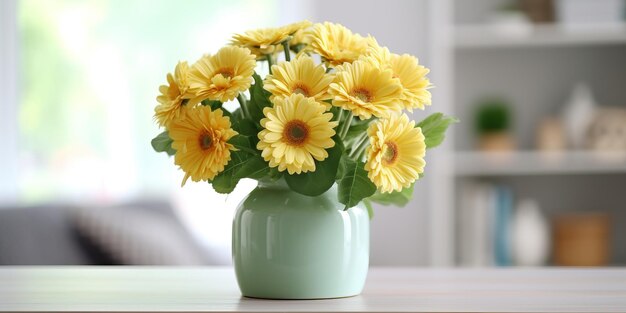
[(537, 163), (494, 36)]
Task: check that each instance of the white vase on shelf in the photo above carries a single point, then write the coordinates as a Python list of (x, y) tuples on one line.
[(529, 235), (578, 114)]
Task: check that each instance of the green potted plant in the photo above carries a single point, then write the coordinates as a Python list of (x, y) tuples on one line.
[(493, 125)]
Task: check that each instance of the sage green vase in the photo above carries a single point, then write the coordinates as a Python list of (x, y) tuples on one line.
[(290, 246)]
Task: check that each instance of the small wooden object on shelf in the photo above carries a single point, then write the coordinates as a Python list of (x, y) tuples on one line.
[(581, 239), (551, 135), (496, 142)]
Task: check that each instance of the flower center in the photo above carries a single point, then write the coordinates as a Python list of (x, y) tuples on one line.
[(390, 153), (226, 72), (296, 132), (206, 142), (362, 94), (301, 89)]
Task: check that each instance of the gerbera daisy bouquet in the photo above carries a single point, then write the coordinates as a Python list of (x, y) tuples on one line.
[(328, 111)]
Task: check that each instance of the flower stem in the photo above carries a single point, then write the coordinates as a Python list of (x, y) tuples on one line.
[(297, 48), (345, 126), (339, 115), (362, 152), (357, 143), (286, 48), (270, 62), (362, 143), (244, 106)]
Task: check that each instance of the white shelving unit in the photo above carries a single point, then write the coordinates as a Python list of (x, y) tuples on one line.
[(470, 163), (542, 63), (550, 35)]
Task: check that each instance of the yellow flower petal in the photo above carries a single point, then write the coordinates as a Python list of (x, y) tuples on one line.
[(200, 139), (173, 95), (366, 90), (300, 75), (222, 76), (395, 157), (336, 44), (296, 131), (407, 70)]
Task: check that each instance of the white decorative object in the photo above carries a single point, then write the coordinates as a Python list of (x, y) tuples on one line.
[(607, 131), (529, 235), (577, 115), (589, 14), (511, 23)]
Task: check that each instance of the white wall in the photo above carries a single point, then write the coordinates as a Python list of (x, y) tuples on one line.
[(8, 100), (399, 235)]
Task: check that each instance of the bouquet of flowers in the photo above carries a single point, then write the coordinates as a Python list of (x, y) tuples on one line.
[(329, 110)]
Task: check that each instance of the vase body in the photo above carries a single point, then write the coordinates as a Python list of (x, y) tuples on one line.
[(290, 246)]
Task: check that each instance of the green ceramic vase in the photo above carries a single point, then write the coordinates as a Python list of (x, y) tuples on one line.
[(290, 246)]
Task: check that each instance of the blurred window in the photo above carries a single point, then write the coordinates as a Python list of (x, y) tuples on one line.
[(89, 73)]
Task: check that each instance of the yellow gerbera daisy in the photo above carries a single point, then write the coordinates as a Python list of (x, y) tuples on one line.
[(337, 44), (200, 139), (300, 37), (297, 31), (300, 75), (296, 131), (413, 78), (407, 69), (222, 76), (366, 90), (395, 157), (294, 27), (262, 41), (172, 95)]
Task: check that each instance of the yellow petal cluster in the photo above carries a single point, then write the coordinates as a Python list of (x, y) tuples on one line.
[(296, 130), (292, 28), (351, 76), (298, 32), (200, 138), (336, 44), (299, 76), (406, 68), (222, 76), (172, 95), (262, 41), (366, 90), (395, 157)]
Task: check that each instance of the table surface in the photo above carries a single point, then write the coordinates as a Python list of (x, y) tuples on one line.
[(210, 289)]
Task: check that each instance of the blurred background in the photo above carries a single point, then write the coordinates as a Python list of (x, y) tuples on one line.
[(534, 175)]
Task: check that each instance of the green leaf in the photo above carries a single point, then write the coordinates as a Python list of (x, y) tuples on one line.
[(214, 104), (354, 185), (236, 116), (243, 143), (163, 143), (317, 182), (259, 98), (434, 128), (247, 128), (255, 168), (227, 180), (369, 207), (397, 198), (244, 163), (274, 174)]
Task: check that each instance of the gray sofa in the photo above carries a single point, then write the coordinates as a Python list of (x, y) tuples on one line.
[(133, 233)]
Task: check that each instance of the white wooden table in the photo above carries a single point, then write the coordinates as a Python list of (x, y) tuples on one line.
[(150, 289)]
